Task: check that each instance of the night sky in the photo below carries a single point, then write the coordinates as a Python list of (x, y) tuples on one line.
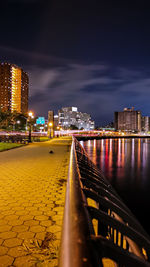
[(91, 54)]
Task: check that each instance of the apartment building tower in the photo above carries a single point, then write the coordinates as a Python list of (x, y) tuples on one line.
[(128, 120), (14, 87), (70, 116)]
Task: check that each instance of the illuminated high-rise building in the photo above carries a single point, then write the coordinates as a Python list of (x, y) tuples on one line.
[(14, 86), (128, 120)]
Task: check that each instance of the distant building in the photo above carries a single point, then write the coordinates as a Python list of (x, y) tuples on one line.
[(56, 122), (51, 116), (14, 86), (109, 125), (145, 124), (128, 120), (70, 116), (51, 123)]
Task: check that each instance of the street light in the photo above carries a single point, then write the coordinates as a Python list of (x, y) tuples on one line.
[(58, 128), (50, 132), (18, 122), (30, 116), (30, 113)]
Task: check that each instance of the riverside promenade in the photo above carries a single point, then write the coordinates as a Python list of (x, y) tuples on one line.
[(32, 196)]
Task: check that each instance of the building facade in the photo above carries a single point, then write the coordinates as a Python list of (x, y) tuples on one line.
[(70, 116), (51, 123), (146, 124), (128, 120), (14, 87)]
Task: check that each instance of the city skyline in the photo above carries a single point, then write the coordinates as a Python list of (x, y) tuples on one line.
[(91, 55)]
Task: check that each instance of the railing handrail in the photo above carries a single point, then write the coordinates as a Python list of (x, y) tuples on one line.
[(76, 232), (80, 246)]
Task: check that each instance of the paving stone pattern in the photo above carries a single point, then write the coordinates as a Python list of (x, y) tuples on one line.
[(32, 196)]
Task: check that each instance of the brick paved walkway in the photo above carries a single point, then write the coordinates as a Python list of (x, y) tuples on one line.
[(32, 195)]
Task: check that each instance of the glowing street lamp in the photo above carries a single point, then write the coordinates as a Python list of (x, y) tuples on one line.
[(50, 132), (30, 116), (58, 129)]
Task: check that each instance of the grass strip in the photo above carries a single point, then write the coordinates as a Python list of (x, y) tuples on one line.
[(7, 146)]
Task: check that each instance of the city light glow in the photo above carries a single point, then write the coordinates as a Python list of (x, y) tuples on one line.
[(30, 113)]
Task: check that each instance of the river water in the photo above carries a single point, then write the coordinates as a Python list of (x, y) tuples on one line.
[(126, 164)]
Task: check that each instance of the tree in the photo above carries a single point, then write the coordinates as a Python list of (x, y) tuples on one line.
[(4, 118), (12, 120), (73, 127)]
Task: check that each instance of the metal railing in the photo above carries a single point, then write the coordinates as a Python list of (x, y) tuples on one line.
[(105, 230)]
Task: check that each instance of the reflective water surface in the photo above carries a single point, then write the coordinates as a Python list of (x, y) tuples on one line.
[(126, 164)]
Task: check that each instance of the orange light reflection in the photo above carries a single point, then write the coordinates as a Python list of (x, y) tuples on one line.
[(139, 153), (94, 152), (122, 153)]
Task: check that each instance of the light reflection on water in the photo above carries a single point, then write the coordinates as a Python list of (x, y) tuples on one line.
[(126, 164)]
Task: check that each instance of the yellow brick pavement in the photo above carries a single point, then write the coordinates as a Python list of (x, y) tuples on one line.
[(32, 196)]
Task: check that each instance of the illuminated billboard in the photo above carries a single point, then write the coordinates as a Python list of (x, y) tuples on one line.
[(40, 120)]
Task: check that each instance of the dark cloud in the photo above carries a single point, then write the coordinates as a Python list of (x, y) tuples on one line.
[(77, 85), (96, 88), (27, 58)]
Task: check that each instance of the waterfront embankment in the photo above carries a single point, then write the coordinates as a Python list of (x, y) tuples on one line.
[(32, 196)]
